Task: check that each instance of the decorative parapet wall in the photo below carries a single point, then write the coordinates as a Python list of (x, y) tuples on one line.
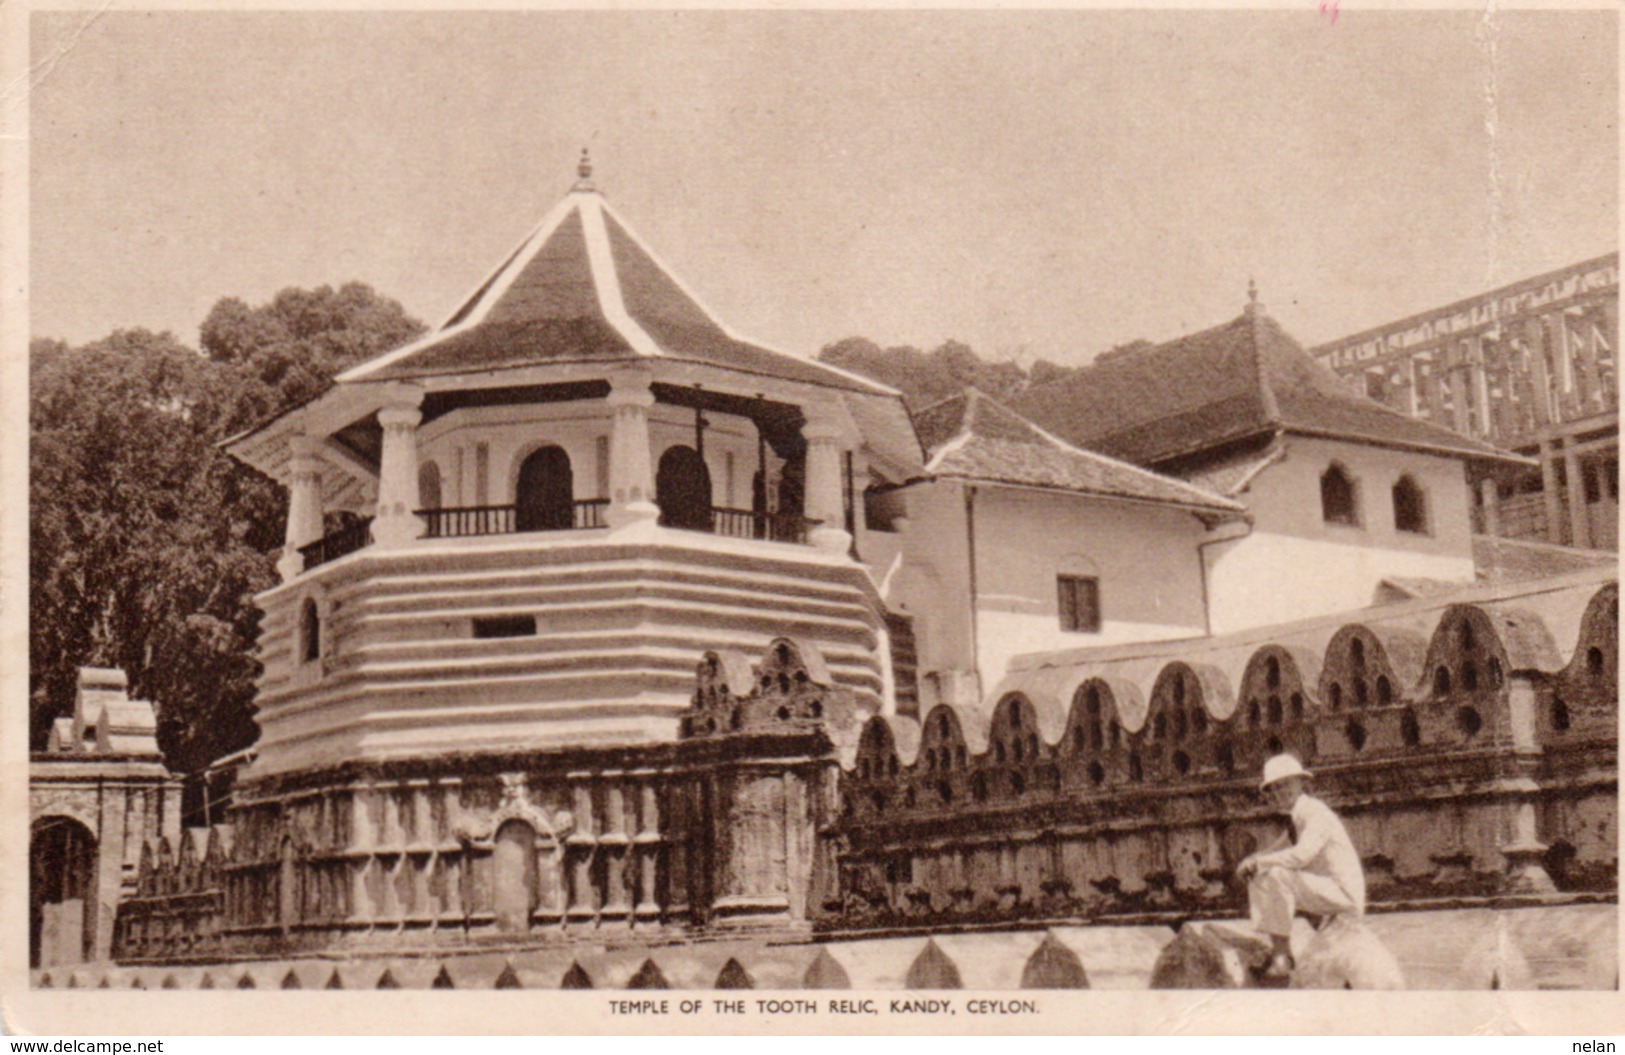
[(1468, 755), (714, 832), (1472, 758)]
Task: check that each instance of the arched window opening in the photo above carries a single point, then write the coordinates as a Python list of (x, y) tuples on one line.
[(1297, 706), (1182, 762), (1469, 677), (1469, 721), (1225, 754), (310, 632), (1018, 785), (428, 486), (1465, 634), (1273, 745), (1441, 681), (544, 498), (1254, 714), (683, 489), (1334, 696), (1410, 507), (1179, 690), (1361, 694), (1097, 773), (1560, 715), (1337, 498), (1385, 691), (1354, 732), (1272, 673), (1136, 772), (1357, 654), (1594, 661)]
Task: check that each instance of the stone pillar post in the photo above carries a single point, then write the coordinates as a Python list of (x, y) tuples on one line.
[(631, 478), (824, 499), (1550, 493), (1407, 383), (304, 505), (1490, 496), (615, 846), (648, 843), (397, 522), (1579, 516)]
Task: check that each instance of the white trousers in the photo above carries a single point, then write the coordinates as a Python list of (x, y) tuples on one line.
[(1276, 894)]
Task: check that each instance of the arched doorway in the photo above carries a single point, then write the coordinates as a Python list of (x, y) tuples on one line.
[(545, 497), (683, 489), (61, 892), (513, 892)]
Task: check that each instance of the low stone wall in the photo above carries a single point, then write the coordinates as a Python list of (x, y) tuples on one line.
[(1469, 760), (1540, 947)]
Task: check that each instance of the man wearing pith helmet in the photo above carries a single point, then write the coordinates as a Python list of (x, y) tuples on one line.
[(1317, 871)]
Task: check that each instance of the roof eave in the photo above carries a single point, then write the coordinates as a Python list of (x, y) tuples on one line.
[(1227, 511), (1493, 455)]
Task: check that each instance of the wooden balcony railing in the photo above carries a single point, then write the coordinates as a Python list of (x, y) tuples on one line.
[(747, 523), (337, 544), (465, 521), (469, 521)]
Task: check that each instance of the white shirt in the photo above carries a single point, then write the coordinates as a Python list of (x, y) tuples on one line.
[(1323, 848)]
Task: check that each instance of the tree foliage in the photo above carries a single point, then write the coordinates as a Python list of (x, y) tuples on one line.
[(147, 543), (928, 377)]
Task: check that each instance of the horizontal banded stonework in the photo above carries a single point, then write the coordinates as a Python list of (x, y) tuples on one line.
[(386, 654)]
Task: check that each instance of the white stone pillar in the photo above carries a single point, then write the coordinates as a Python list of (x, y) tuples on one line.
[(397, 522), (304, 504), (824, 484), (631, 476)]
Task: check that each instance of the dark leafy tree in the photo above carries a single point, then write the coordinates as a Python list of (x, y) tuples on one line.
[(147, 543)]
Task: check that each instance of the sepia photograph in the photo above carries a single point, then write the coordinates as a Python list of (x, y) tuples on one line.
[(964, 509)]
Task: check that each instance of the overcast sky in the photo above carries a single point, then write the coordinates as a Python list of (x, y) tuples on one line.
[(1053, 182)]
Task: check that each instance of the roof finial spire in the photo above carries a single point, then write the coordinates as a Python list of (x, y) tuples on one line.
[(584, 172), (1253, 307)]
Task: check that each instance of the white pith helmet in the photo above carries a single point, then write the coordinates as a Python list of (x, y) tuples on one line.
[(1282, 767)]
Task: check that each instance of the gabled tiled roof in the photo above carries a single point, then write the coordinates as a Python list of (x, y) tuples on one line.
[(1245, 378), (972, 436), (582, 287)]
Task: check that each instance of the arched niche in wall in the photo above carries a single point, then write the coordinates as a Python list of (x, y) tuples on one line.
[(513, 875)]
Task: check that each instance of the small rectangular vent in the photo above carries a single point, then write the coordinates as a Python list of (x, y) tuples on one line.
[(505, 626)]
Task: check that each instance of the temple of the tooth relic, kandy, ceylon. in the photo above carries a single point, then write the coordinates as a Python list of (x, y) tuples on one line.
[(615, 649)]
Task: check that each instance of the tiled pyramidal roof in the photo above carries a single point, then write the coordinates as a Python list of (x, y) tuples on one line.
[(583, 287), (1244, 379), (973, 436)]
